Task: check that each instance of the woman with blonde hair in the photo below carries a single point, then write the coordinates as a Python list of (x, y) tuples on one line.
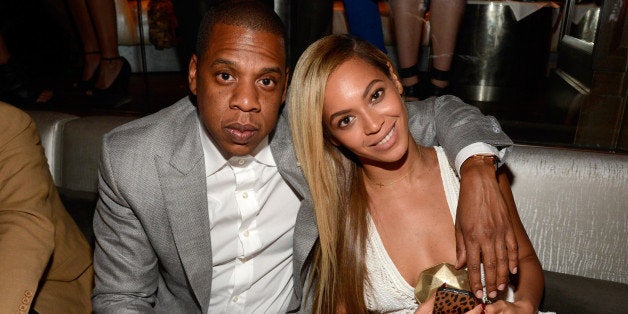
[(385, 206)]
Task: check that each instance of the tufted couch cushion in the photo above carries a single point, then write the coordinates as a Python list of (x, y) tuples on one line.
[(50, 125), (82, 143), (574, 205), (72, 146)]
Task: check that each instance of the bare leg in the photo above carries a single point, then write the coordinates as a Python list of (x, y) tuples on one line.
[(91, 49), (445, 19), (408, 18), (103, 13)]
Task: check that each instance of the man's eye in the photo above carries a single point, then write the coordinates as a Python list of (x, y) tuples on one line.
[(267, 82), (224, 76)]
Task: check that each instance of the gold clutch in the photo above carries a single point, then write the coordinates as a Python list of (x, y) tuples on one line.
[(434, 277), (451, 286)]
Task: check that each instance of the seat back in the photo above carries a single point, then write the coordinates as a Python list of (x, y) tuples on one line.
[(574, 205)]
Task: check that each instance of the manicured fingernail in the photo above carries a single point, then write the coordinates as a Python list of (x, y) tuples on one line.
[(492, 295), (501, 287), (514, 270), (478, 294)]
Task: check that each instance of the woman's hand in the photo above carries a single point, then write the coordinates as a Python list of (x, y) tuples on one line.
[(427, 306)]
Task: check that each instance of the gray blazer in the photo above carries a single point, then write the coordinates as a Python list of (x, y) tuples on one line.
[(151, 223)]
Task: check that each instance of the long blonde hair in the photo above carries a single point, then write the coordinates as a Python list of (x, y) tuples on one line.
[(340, 201)]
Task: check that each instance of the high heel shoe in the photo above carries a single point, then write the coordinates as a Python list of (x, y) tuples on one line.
[(117, 94), (428, 89), (82, 86), (411, 93)]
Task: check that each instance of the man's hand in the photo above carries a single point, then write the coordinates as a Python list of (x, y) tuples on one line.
[(519, 307), (484, 232)]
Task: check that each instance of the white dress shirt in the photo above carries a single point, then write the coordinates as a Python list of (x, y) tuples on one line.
[(478, 148), (252, 213)]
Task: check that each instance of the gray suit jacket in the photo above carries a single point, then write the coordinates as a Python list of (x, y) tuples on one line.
[(152, 226)]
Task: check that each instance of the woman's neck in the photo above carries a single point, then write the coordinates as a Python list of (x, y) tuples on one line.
[(393, 174)]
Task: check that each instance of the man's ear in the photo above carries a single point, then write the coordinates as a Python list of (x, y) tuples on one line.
[(395, 78), (192, 73)]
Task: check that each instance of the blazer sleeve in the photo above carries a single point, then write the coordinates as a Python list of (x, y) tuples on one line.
[(126, 273), (449, 122), (26, 227)]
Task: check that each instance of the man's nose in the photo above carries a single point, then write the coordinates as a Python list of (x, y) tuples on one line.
[(245, 98)]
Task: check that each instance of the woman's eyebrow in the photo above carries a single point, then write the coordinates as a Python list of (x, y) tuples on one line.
[(368, 87)]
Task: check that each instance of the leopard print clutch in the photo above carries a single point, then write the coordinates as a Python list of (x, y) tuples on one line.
[(451, 300)]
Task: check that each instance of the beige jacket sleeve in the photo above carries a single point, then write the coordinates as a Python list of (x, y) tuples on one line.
[(26, 227)]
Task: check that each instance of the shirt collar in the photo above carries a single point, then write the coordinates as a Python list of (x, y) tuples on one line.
[(215, 161)]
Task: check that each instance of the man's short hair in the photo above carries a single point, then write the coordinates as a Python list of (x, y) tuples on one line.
[(249, 14)]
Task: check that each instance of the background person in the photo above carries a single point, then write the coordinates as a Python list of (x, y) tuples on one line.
[(105, 74), (364, 21), (385, 206), (445, 19), (46, 263)]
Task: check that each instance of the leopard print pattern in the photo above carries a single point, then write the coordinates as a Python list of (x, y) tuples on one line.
[(451, 300)]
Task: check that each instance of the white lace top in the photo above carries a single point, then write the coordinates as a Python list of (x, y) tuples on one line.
[(389, 292)]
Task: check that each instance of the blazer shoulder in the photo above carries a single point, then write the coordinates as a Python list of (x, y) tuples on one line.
[(13, 121), (154, 130)]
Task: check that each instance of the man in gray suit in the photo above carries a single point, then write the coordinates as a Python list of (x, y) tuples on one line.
[(204, 208)]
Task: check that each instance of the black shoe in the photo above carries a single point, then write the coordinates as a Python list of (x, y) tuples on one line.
[(411, 92), (83, 86), (117, 94), (428, 89), (16, 88)]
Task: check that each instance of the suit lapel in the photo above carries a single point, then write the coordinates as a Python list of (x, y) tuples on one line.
[(182, 177)]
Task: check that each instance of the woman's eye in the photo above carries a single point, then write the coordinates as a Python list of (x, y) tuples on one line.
[(377, 94), (345, 121)]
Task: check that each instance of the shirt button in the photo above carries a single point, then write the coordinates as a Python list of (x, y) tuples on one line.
[(235, 299), (241, 162), (245, 195), (246, 233)]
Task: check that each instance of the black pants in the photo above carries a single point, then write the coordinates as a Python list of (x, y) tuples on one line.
[(309, 21)]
